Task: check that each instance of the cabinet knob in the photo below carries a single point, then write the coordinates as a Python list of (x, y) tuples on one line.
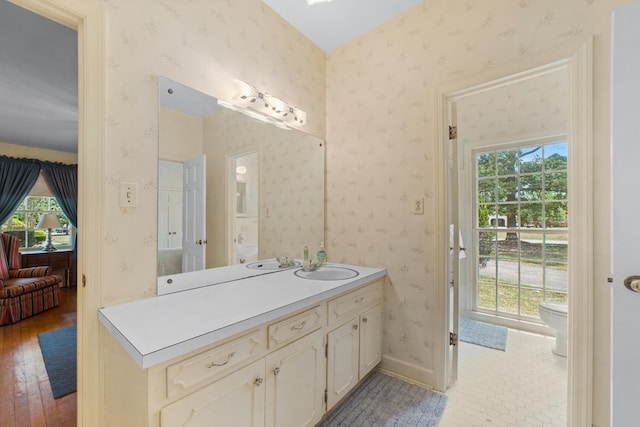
[(355, 326), (276, 371), (365, 320), (258, 382)]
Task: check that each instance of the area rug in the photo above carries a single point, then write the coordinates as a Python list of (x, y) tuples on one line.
[(58, 349), (484, 334), (383, 400)]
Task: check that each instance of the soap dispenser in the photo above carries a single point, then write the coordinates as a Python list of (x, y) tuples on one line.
[(306, 252), (322, 254)]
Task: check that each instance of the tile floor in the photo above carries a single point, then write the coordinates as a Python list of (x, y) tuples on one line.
[(523, 386)]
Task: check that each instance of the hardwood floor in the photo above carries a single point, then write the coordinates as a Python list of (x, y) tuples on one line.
[(26, 394)]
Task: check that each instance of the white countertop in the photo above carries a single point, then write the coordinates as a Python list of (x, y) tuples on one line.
[(161, 328)]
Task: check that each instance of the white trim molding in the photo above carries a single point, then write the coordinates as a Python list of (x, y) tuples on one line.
[(576, 58), (87, 18)]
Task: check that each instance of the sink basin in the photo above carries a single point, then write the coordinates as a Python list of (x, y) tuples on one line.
[(246, 250), (328, 273), (270, 265)]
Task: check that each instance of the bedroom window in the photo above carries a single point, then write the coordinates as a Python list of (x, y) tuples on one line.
[(24, 220), (521, 228)]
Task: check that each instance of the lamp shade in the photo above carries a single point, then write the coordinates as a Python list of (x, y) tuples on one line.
[(49, 220)]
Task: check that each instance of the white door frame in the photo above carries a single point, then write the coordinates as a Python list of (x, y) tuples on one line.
[(230, 197), (577, 57), (88, 19)]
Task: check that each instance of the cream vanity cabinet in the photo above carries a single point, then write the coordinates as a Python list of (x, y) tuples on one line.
[(278, 373), (282, 388), (354, 343)]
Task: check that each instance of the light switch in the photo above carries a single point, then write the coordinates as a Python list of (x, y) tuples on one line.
[(128, 195), (417, 206)]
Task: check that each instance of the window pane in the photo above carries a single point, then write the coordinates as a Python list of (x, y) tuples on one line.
[(531, 215), (530, 298), (530, 187), (486, 164), (555, 156), (531, 247), (508, 215), (508, 189), (555, 185), (530, 159), (486, 190), (507, 162), (555, 214)]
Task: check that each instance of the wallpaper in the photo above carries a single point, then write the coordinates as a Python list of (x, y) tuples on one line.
[(380, 147)]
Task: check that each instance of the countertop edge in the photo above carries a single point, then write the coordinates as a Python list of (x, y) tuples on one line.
[(179, 349)]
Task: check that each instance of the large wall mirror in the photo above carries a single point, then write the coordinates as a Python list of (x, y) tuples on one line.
[(232, 189)]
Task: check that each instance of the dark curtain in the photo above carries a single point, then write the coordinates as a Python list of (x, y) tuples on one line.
[(17, 177), (63, 182)]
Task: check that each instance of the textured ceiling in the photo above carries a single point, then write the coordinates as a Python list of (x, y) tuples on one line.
[(38, 81)]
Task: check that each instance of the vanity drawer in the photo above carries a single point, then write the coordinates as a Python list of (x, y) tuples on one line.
[(212, 363), (296, 326), (345, 307)]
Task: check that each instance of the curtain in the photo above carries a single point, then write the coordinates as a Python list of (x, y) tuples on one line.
[(17, 177), (63, 182)]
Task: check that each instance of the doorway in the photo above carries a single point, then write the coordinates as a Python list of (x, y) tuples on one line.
[(243, 207), (88, 20), (575, 60)]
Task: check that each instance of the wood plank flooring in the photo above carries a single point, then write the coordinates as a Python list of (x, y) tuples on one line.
[(26, 399)]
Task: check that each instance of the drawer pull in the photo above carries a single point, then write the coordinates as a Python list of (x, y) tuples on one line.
[(258, 382), (229, 357), (365, 320), (359, 300), (299, 327), (355, 327), (276, 371)]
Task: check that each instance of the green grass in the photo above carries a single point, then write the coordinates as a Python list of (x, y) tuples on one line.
[(530, 296)]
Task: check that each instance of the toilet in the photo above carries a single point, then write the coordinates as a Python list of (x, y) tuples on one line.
[(554, 315)]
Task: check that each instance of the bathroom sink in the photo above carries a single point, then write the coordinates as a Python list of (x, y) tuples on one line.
[(270, 265), (328, 273)]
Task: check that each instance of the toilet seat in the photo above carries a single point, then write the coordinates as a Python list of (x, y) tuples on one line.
[(555, 307)]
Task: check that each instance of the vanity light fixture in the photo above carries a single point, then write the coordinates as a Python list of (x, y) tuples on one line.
[(241, 170), (264, 107)]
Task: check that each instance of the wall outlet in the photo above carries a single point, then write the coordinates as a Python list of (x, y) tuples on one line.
[(128, 195), (417, 206)]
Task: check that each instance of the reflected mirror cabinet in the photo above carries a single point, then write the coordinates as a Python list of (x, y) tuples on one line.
[(231, 188)]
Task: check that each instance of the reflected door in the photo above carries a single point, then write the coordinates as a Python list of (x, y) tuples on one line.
[(194, 209)]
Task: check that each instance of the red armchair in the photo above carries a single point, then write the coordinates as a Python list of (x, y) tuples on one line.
[(24, 291)]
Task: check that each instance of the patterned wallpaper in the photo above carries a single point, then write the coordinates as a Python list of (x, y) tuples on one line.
[(535, 107), (204, 44), (380, 130)]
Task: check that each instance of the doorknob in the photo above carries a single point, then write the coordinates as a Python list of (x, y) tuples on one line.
[(632, 283)]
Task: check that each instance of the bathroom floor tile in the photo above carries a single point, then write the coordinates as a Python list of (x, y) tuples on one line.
[(526, 385)]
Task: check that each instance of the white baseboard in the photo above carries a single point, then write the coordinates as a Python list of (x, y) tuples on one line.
[(407, 371)]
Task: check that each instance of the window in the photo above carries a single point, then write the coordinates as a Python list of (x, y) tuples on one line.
[(24, 220), (521, 228)]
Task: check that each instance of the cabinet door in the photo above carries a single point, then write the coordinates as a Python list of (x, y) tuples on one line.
[(342, 363), (295, 383), (370, 339), (234, 401)]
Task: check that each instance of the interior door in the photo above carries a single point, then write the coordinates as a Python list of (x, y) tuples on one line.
[(454, 248), (625, 152), (194, 237)]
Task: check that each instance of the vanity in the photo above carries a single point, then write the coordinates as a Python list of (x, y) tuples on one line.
[(272, 348)]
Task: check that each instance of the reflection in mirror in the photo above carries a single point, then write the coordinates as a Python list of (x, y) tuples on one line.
[(262, 186)]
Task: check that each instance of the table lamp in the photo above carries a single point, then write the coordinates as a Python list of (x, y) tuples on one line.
[(49, 221)]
